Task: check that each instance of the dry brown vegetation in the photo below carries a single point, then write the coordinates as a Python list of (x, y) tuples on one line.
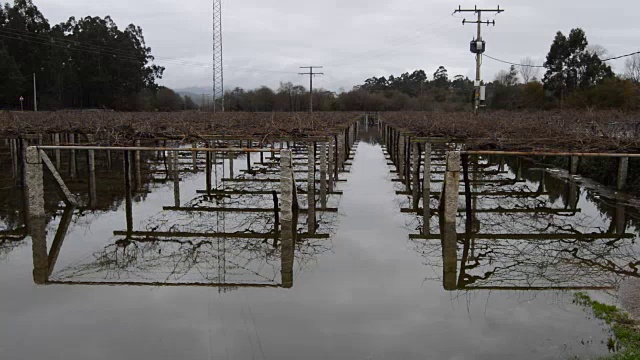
[(604, 131), (587, 131), (120, 128)]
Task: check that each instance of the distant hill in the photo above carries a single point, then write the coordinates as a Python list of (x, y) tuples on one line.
[(195, 91)]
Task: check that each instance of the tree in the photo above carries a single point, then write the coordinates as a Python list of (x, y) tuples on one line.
[(507, 78), (189, 104), (168, 100), (88, 62), (528, 71), (532, 95), (632, 68), (570, 65), (441, 77), (11, 80)]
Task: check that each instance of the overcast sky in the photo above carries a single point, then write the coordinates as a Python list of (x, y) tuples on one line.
[(265, 41)]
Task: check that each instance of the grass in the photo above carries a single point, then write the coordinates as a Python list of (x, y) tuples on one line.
[(624, 339)]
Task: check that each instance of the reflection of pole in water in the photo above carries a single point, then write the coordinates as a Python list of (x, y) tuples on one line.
[(14, 156), (311, 183), (574, 161), (138, 167), (543, 179), (574, 195), (176, 183), (56, 142), (231, 157), (92, 179), (449, 255), (194, 157), (128, 191), (620, 218), (38, 233), (72, 162), (519, 170), (623, 173)]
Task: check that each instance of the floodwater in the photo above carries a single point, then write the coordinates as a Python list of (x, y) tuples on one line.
[(168, 274)]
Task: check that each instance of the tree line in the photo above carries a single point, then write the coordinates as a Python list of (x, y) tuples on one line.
[(575, 76), (82, 63), (91, 63)]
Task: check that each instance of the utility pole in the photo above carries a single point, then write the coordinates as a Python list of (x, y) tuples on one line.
[(311, 75), (478, 46), (35, 94)]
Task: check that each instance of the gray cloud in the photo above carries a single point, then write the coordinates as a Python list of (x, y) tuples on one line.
[(266, 41)]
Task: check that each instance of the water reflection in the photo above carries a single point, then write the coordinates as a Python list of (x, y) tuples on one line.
[(523, 226), (227, 235)]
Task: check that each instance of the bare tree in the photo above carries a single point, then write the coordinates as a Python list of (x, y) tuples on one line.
[(528, 70), (632, 68), (598, 50)]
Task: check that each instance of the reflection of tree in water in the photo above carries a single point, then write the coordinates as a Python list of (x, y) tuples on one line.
[(8, 244), (187, 257), (519, 250), (549, 263), (181, 260)]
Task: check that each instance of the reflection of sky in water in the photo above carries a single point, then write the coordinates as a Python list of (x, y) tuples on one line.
[(367, 292), (605, 255)]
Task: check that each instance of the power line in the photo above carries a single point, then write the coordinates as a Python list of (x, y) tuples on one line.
[(131, 56), (511, 63), (622, 56), (542, 66)]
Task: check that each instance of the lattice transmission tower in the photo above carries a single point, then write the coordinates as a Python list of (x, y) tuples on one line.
[(218, 74)]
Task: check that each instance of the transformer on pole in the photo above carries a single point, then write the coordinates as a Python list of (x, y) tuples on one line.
[(218, 77)]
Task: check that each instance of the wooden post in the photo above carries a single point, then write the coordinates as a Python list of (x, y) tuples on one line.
[(449, 205), (415, 175), (34, 183), (176, 182), (323, 174), (340, 152), (623, 173), (331, 165), (426, 190), (311, 187), (288, 199), (208, 180)]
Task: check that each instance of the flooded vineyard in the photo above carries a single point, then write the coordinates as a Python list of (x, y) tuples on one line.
[(362, 243)]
